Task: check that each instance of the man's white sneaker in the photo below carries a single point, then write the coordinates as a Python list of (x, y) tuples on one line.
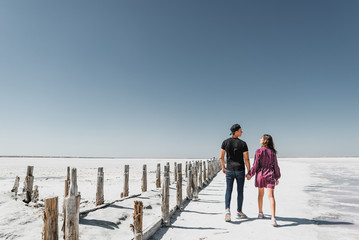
[(227, 217)]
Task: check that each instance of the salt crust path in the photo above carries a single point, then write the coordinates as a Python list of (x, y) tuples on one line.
[(297, 218)]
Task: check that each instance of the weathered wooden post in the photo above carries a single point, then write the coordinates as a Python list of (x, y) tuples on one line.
[(126, 183), (100, 198), (218, 166), (67, 183), (35, 194), (179, 187), (144, 178), (195, 182), (166, 197), (138, 220), (200, 175), (15, 188), (28, 184), (190, 167), (189, 184), (212, 169), (204, 173), (50, 217), (66, 193), (208, 170), (175, 171), (72, 209), (158, 176), (169, 172)]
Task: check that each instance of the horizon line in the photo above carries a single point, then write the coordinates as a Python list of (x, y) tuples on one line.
[(44, 156)]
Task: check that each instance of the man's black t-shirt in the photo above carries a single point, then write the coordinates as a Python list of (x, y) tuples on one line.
[(235, 148)]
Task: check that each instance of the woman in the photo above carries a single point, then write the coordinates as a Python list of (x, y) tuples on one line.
[(267, 174)]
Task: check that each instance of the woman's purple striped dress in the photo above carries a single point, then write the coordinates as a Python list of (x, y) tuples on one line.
[(265, 168)]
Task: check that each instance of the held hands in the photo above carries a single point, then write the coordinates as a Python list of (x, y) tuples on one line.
[(224, 170), (276, 182), (248, 176)]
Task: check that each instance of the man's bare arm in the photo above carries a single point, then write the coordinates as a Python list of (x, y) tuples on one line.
[(223, 152), (246, 160)]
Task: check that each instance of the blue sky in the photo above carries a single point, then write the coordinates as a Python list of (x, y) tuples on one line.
[(169, 78)]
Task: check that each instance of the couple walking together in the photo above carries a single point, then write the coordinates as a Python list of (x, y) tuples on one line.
[(265, 168)]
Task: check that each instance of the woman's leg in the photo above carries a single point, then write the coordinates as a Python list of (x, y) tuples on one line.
[(271, 201), (260, 199)]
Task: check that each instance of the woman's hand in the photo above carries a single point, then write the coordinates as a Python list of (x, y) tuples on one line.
[(276, 182), (224, 170)]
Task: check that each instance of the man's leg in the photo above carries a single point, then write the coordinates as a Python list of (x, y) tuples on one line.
[(240, 184), (229, 187)]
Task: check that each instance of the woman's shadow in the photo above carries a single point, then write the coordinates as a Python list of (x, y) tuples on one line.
[(293, 221), (304, 221)]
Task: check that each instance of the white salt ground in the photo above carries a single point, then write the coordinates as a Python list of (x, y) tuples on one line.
[(303, 210), (18, 221), (316, 199)]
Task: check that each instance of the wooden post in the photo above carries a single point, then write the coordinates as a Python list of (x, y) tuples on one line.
[(72, 209), (219, 165), (175, 172), (169, 173), (100, 198), (35, 194), (189, 184), (15, 188), (190, 167), (200, 175), (208, 171), (126, 184), (137, 220), (166, 197), (28, 184), (144, 178), (50, 217), (66, 193), (195, 182), (213, 168), (204, 172), (158, 176), (179, 187)]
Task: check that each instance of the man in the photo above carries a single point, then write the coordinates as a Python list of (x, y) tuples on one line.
[(236, 150)]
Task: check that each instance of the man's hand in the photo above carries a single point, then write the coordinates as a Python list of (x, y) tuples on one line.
[(276, 182), (224, 170)]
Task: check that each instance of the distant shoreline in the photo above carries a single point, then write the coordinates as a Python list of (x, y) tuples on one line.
[(104, 157), (13, 156)]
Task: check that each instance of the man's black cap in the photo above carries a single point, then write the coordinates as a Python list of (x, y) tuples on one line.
[(235, 128)]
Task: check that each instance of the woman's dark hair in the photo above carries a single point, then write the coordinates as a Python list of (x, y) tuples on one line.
[(268, 142)]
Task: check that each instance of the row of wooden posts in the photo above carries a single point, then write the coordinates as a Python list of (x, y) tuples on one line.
[(197, 174)]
